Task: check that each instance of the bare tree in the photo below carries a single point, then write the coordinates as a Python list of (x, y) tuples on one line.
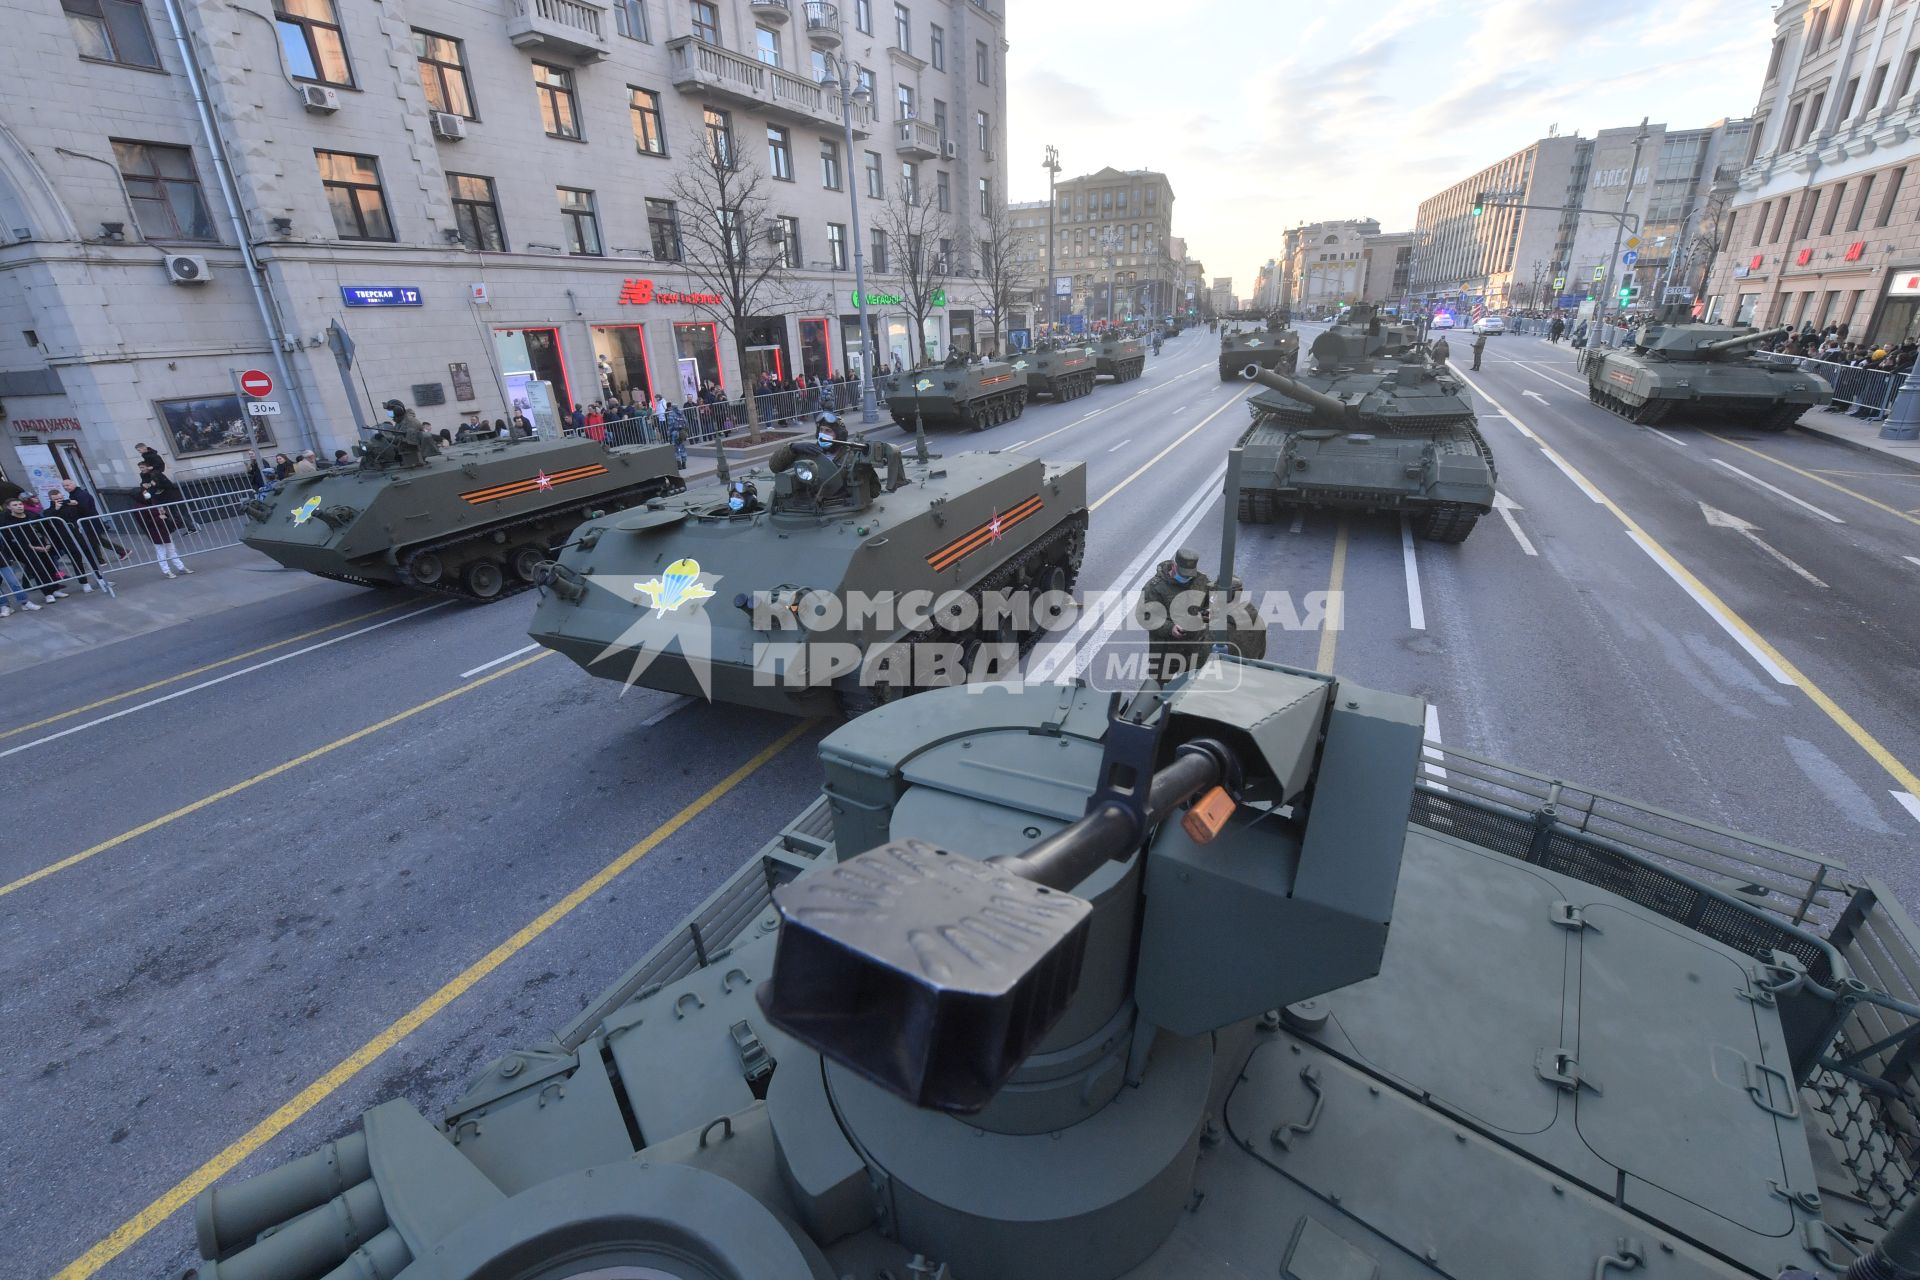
[(1001, 269), (920, 246), (735, 253)]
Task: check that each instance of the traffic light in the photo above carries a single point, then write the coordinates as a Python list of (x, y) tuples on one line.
[(1626, 294), (1479, 203)]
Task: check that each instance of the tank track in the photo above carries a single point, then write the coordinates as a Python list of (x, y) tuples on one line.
[(452, 580), (1070, 386), (975, 415), (350, 580), (1780, 418), (1068, 537), (1259, 506), (1127, 370), (1446, 521)]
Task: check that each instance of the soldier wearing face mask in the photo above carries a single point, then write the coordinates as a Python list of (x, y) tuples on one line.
[(1174, 608), (742, 498)]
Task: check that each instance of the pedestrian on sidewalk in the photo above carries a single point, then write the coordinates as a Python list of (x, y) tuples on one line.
[(155, 519), (1479, 346), (84, 557), (30, 549), (90, 506), (1555, 328), (151, 456)]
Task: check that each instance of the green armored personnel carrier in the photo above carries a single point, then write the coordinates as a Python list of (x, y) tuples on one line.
[(1059, 372), (1401, 440), (1700, 370), (852, 579), (1120, 356), (473, 521), (1271, 347), (956, 394), (1238, 984)]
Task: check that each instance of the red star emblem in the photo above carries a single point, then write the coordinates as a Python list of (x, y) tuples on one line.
[(993, 528), (542, 482)]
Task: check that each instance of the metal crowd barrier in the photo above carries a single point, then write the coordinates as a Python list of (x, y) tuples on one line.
[(1867, 393), (54, 554), (46, 555), (701, 423)]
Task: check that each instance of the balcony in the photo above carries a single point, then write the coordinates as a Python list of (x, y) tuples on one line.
[(711, 72), (570, 28), (915, 140), (772, 12), (823, 24)]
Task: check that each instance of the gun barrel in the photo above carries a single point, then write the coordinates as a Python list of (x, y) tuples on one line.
[(1319, 401), (1745, 339)]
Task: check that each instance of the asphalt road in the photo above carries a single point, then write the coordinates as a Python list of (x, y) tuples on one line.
[(238, 917)]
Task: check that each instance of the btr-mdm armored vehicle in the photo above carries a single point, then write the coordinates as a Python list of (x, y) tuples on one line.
[(956, 394)]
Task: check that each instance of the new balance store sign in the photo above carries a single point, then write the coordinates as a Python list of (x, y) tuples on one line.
[(379, 295)]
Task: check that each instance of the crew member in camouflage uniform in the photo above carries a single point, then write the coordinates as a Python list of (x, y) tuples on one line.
[(1173, 608), (1246, 629)]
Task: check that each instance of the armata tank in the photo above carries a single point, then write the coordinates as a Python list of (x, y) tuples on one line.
[(1059, 372), (1400, 440), (859, 576), (1120, 356), (1236, 984), (1694, 371), (956, 394), (1271, 347), (473, 521)]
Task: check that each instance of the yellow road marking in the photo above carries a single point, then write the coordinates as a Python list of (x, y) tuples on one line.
[(1335, 616), (1851, 493), (1848, 725), (181, 1194), (1148, 464), (211, 666), (286, 766)]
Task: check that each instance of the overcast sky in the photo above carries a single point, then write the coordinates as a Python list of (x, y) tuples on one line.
[(1266, 113)]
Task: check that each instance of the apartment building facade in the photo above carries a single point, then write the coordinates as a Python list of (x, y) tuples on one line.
[(1113, 237), (482, 199)]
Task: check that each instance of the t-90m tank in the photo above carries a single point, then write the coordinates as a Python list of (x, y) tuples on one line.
[(956, 394), (1120, 357), (1700, 370), (1060, 372), (1270, 348), (1400, 440), (472, 521), (1236, 986), (860, 579)]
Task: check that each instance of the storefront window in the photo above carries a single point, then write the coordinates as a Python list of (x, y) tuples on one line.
[(960, 330), (930, 340), (899, 342), (620, 363), (852, 350), (698, 342), (816, 352), (535, 372), (1749, 302), (765, 339)]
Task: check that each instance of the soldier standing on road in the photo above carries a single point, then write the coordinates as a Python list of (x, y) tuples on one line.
[(1555, 328), (1479, 345), (1173, 609), (1439, 350), (1246, 629)]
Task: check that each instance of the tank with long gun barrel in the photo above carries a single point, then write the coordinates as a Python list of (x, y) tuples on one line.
[(1698, 371)]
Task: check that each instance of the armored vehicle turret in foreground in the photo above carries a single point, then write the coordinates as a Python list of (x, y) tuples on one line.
[(1695, 371), (473, 521), (956, 394), (1120, 356), (848, 578), (1400, 440), (1233, 985), (1271, 347), (1058, 371)]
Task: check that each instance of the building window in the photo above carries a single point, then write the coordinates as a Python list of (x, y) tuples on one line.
[(630, 20), (909, 182), (943, 190), (311, 40), (1840, 19), (1860, 203), (837, 245), (863, 79), (986, 135), (904, 105), (902, 29), (706, 21), (476, 211), (583, 227), (558, 111), (1833, 209), (165, 191), (789, 229), (1907, 66), (940, 121), (937, 46), (879, 249), (1813, 114), (1846, 98), (719, 136), (780, 153), (863, 16), (112, 31), (766, 45), (1875, 85), (353, 193), (830, 165), (663, 226), (944, 263), (1792, 127), (1819, 31), (1809, 207), (986, 196), (443, 74), (982, 65), (876, 183), (649, 138), (1893, 194)]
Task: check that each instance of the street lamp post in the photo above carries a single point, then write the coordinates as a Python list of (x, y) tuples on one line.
[(1626, 204), (1052, 165), (838, 79)]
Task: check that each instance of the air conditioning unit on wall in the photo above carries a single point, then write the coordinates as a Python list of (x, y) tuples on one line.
[(319, 99), (449, 127), (953, 149), (186, 268)]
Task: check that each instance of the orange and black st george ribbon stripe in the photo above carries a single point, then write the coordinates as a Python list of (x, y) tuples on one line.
[(985, 534), (533, 484)]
